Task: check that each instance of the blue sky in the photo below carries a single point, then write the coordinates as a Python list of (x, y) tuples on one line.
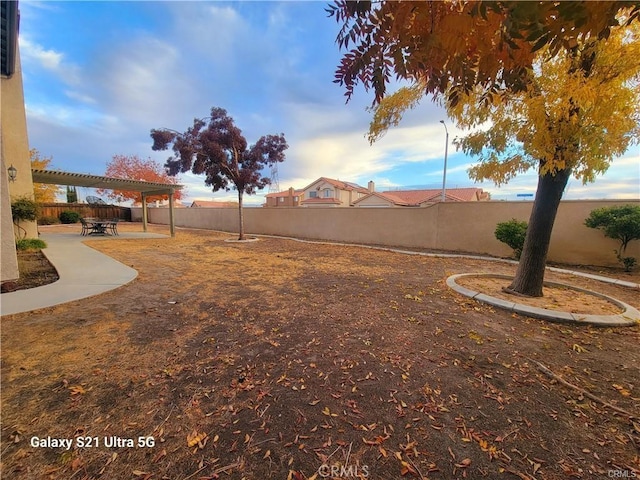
[(98, 76)]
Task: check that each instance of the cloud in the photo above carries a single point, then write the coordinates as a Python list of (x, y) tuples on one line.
[(33, 55), (49, 59), (271, 65)]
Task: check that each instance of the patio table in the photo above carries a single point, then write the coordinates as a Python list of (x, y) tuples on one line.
[(96, 226)]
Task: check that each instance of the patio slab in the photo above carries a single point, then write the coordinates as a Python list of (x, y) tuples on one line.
[(83, 272)]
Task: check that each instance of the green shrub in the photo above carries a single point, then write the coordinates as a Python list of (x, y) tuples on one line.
[(513, 234), (69, 216), (30, 244), (23, 209), (48, 220), (621, 223), (628, 262)]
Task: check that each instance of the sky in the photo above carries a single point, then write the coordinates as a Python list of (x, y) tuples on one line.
[(98, 76)]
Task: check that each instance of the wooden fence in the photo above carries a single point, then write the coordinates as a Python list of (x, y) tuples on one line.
[(85, 210)]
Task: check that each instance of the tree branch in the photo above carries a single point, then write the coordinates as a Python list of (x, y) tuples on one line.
[(586, 393)]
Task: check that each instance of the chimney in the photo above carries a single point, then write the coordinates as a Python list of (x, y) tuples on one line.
[(371, 186)]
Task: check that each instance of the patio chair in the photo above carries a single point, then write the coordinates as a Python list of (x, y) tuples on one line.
[(86, 227), (113, 226)]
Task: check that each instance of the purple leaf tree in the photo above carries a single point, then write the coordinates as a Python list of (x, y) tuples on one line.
[(215, 147)]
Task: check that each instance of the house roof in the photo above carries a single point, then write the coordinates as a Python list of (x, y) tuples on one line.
[(387, 197), (284, 193), (339, 184), (213, 204), (417, 197)]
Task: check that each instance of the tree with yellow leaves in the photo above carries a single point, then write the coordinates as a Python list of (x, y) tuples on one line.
[(580, 110), (42, 193), (573, 109)]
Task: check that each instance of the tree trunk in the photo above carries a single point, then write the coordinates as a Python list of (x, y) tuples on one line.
[(530, 274), (241, 237)]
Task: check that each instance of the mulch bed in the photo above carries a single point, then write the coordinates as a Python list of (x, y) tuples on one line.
[(279, 359), (35, 271)]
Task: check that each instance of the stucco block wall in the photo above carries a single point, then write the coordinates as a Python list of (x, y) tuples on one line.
[(460, 227)]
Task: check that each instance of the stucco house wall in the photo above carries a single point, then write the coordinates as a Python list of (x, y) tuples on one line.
[(14, 151), (330, 194), (9, 267), (374, 200)]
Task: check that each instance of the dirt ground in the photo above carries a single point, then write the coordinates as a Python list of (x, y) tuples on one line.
[(35, 270), (288, 360)]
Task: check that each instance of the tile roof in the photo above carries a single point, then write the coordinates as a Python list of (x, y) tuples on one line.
[(284, 193), (417, 197), (340, 184), (214, 204)]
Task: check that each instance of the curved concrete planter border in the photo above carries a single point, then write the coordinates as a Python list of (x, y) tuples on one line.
[(630, 316), (246, 240)]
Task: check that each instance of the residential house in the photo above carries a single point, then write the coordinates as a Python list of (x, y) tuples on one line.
[(288, 198), (327, 192), (420, 198)]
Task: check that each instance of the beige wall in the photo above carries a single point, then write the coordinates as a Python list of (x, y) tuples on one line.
[(460, 226), (14, 150), (9, 266), (15, 142), (374, 201)]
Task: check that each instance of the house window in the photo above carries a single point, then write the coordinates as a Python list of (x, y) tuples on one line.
[(281, 199), (326, 193), (313, 194)]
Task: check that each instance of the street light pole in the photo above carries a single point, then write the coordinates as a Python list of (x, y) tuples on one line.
[(446, 151)]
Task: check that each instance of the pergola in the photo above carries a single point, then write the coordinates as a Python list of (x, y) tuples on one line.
[(53, 177)]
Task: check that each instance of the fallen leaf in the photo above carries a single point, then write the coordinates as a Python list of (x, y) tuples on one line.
[(195, 438), (406, 468), (376, 441), (76, 463), (294, 475), (159, 456), (77, 389)]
